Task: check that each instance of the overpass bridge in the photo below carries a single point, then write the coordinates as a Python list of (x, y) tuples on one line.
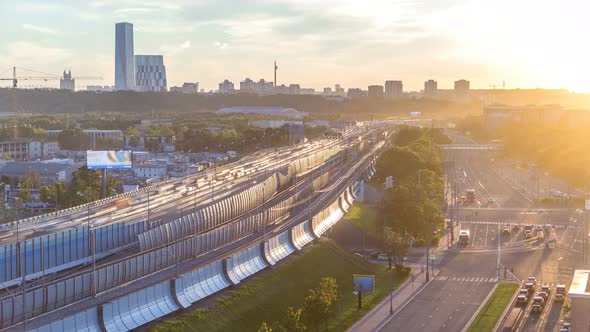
[(215, 246), (472, 147)]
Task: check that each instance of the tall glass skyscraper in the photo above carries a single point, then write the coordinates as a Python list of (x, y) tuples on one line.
[(124, 57)]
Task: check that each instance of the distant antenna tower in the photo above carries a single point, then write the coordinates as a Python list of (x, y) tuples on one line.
[(275, 81)]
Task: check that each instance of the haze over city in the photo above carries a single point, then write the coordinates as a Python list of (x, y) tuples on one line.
[(526, 44)]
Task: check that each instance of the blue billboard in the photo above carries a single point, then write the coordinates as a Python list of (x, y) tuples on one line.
[(363, 283), (108, 159)]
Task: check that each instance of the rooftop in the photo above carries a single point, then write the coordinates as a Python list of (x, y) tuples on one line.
[(580, 287)]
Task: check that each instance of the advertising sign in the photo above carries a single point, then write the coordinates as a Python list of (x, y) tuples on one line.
[(108, 159), (363, 283)]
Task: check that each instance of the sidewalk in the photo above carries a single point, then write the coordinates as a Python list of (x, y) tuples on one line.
[(375, 319)]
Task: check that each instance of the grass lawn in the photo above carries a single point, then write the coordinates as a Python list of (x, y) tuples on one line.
[(365, 218), (266, 296), (489, 315)]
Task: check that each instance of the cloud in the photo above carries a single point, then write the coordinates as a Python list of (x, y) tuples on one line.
[(186, 44), (171, 50), (38, 28), (220, 45)]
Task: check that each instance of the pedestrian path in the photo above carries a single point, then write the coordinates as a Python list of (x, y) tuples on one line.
[(384, 311), (466, 279)]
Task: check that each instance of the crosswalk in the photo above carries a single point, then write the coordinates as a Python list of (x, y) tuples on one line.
[(480, 222), (466, 279), (552, 284)]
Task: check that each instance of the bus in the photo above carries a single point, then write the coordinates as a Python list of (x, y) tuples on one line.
[(464, 237)]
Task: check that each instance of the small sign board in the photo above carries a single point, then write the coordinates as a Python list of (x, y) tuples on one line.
[(587, 205), (363, 283)]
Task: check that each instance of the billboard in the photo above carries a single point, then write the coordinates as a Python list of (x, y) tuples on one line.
[(108, 159), (363, 283)]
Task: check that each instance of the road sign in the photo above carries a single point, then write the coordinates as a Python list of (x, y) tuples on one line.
[(363, 283), (587, 205)]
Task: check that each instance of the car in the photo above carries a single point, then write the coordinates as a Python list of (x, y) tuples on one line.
[(543, 295), (491, 200), (516, 227), (506, 230), (533, 280), (530, 287), (538, 304), (382, 257), (560, 293), (528, 234), (522, 297), (528, 228), (546, 289)]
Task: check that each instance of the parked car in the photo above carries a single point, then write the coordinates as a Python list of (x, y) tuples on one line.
[(382, 257)]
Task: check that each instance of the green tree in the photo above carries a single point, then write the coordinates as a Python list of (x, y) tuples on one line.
[(73, 139), (44, 194), (320, 302), (395, 246), (313, 309), (294, 321), (265, 328), (399, 162)]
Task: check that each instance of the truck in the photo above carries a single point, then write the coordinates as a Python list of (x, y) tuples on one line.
[(464, 237), (470, 195)]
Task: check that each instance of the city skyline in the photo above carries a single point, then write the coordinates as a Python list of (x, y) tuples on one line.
[(344, 42)]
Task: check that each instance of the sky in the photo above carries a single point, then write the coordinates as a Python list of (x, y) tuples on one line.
[(524, 43)]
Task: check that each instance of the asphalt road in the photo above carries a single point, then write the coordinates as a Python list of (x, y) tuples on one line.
[(468, 274)]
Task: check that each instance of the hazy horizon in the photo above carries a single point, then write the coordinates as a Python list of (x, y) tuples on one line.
[(528, 44)]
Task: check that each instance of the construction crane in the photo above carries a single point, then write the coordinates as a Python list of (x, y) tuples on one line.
[(15, 79), (48, 77)]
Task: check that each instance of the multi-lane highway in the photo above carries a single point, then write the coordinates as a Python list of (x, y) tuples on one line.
[(172, 200), (133, 270), (467, 274)]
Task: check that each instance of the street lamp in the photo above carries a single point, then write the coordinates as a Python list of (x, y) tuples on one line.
[(428, 256)]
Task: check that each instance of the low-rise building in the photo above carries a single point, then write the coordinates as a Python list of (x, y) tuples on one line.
[(150, 171), (20, 149), (49, 149), (49, 172), (579, 294)]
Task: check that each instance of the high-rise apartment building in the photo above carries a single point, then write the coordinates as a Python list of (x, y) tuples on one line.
[(394, 89), (67, 82), (461, 89), (226, 87), (430, 88), (375, 91), (124, 57), (150, 73)]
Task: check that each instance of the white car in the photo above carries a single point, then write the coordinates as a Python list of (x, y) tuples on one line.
[(382, 257)]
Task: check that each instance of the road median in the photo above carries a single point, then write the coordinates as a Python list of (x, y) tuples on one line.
[(493, 307)]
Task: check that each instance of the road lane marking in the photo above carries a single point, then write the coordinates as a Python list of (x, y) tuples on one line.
[(485, 242)]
